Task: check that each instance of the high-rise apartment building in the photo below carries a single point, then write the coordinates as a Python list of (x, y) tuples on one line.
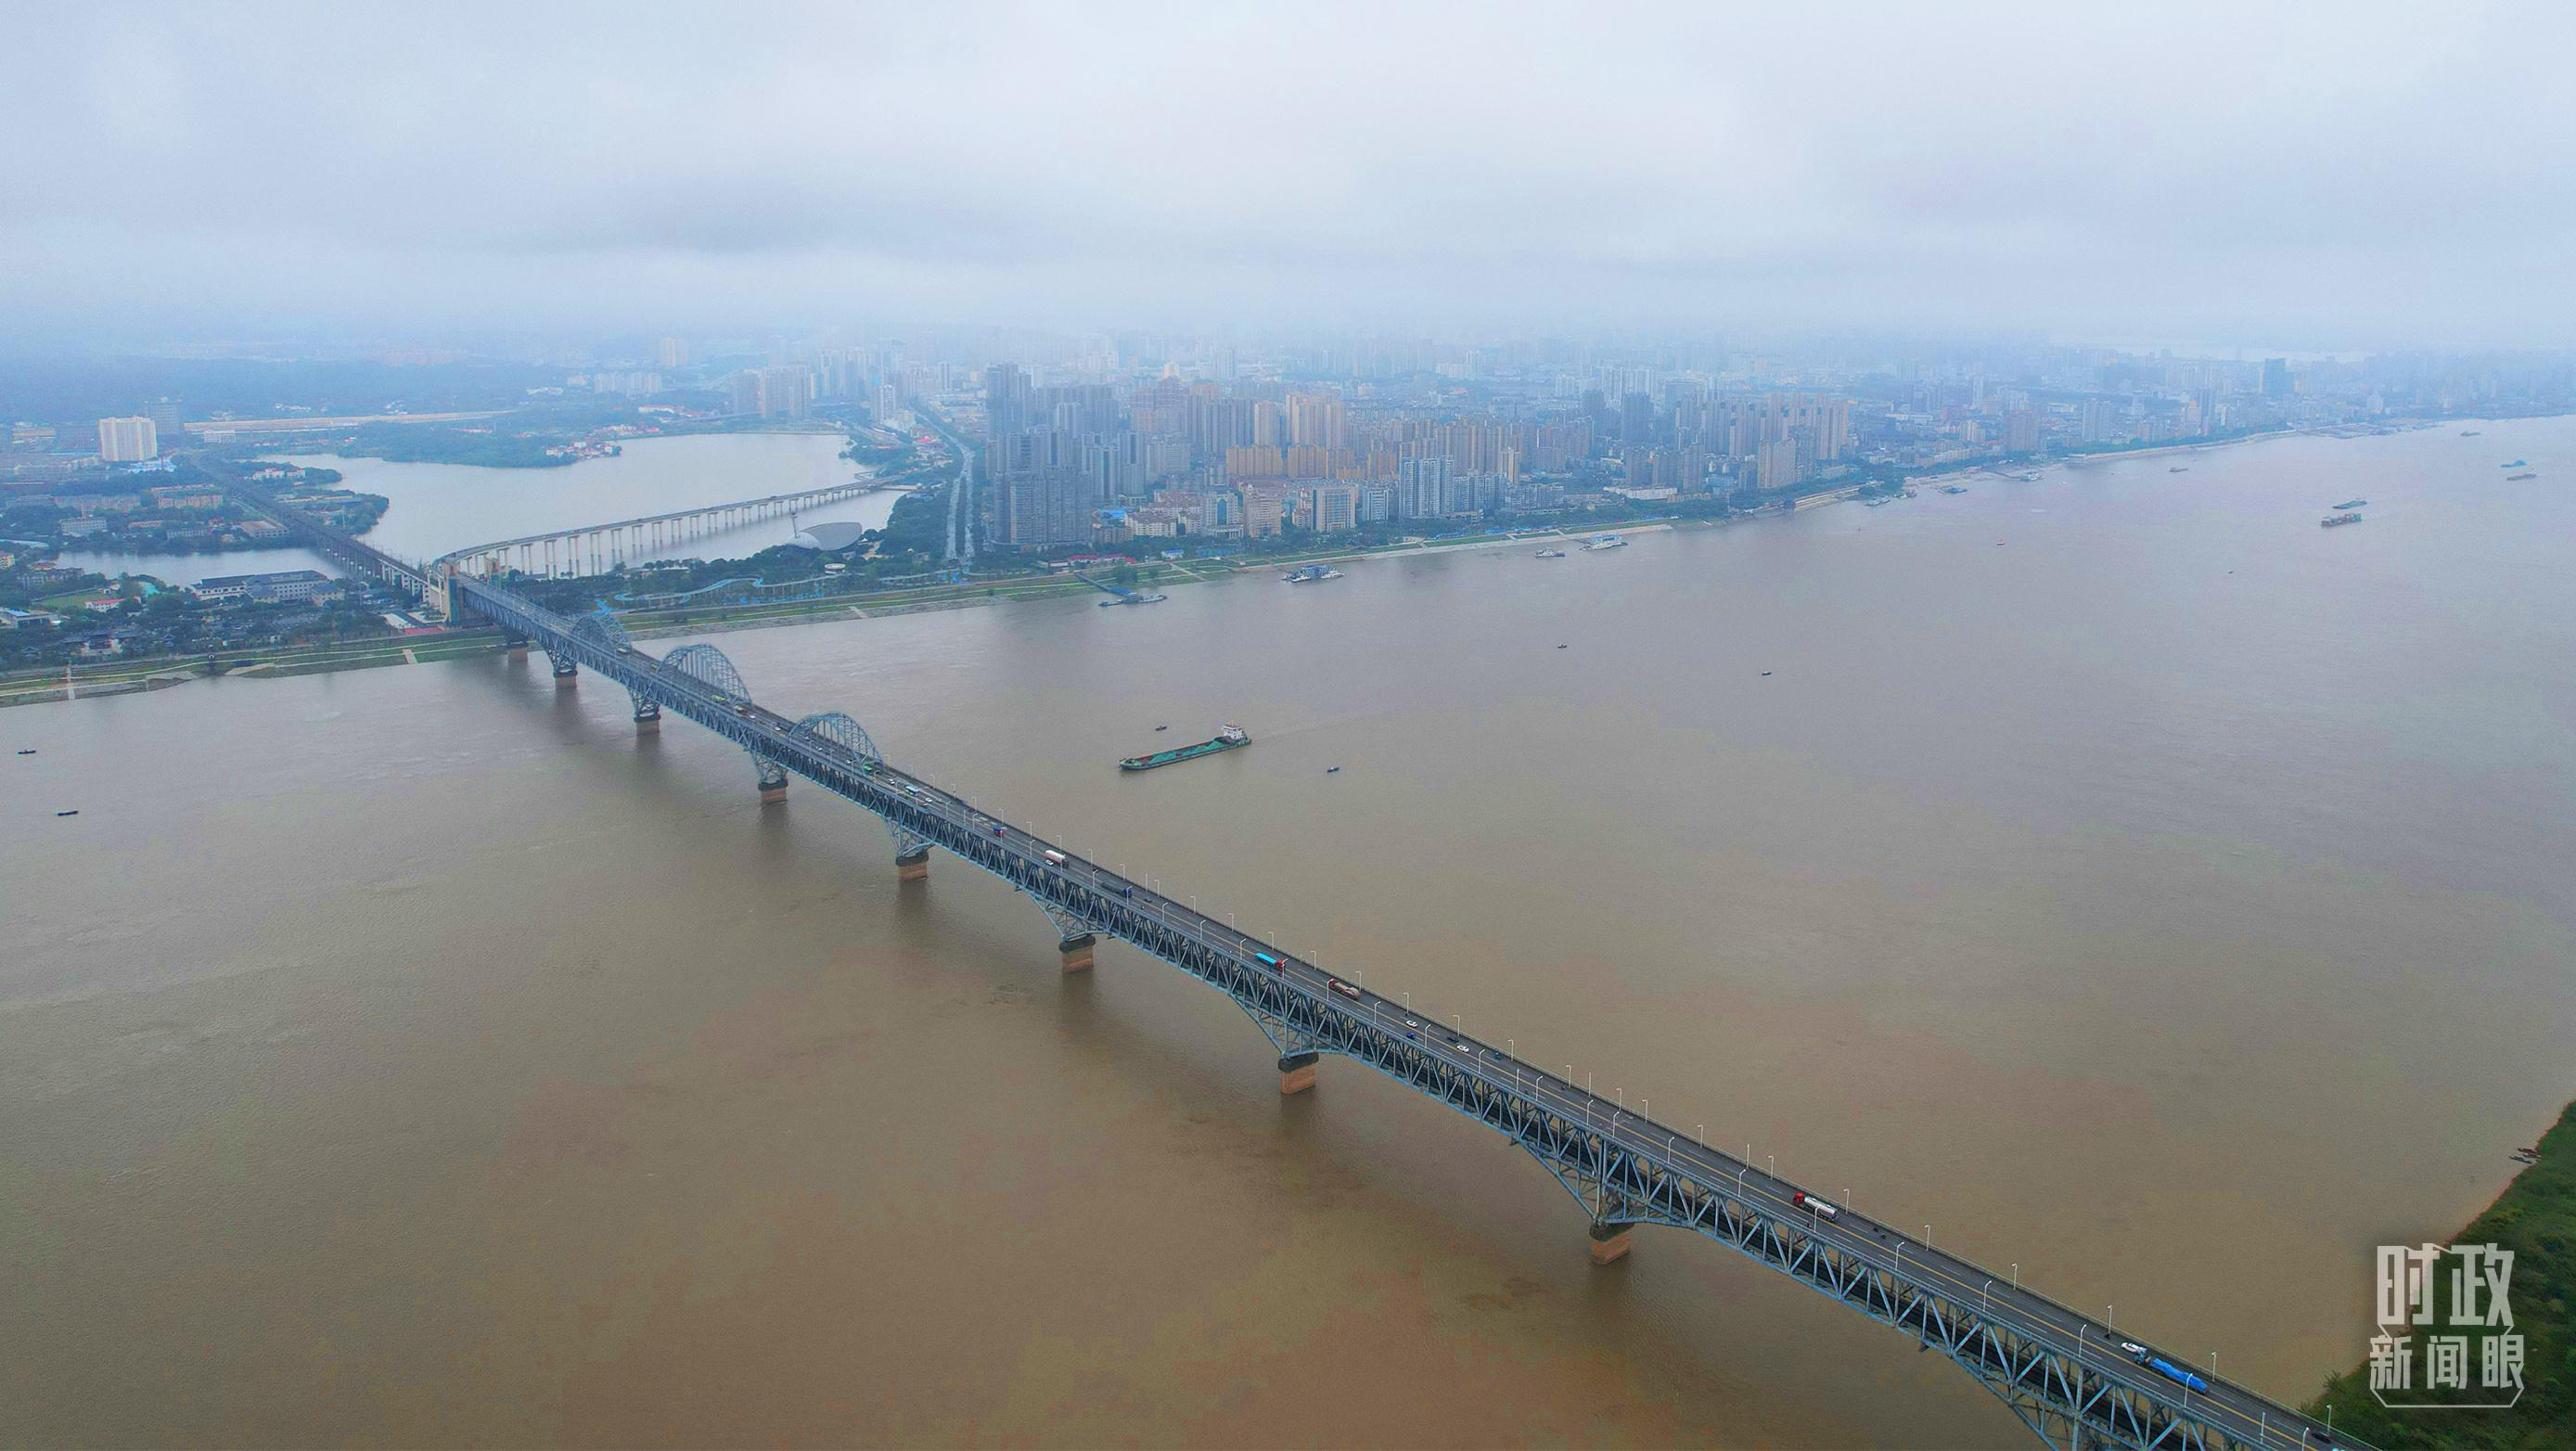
[(786, 391), (1776, 464), (1009, 403), (1319, 419), (1337, 508), (128, 440), (1422, 488), (1042, 508)]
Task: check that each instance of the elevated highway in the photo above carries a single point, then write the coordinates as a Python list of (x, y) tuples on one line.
[(598, 548)]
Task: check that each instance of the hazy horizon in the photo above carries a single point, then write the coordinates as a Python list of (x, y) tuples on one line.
[(2324, 180)]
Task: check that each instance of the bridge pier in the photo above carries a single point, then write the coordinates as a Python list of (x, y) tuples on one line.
[(515, 646), (913, 865), (1297, 1072), (773, 784), (1076, 952), (566, 673), (648, 718), (1610, 1243)]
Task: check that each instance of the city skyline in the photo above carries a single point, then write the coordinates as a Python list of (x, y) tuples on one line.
[(2277, 181)]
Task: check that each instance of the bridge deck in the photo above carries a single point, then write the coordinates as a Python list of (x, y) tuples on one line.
[(2060, 1371)]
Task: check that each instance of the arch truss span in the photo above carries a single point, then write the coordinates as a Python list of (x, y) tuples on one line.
[(602, 627), (842, 731), (708, 666)]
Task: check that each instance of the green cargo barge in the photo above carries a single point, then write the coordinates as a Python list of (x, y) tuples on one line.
[(1226, 740)]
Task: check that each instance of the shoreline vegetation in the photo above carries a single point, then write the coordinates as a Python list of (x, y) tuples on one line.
[(2535, 1217)]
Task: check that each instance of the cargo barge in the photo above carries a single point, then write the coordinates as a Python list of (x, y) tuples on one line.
[(2332, 520), (1224, 740)]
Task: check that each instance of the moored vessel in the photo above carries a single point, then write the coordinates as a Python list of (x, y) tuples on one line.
[(2331, 520)]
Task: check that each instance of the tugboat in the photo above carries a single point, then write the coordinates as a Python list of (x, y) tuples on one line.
[(1224, 740), (2331, 520), (2517, 463), (1311, 574)]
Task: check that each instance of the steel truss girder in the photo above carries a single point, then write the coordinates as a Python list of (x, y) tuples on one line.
[(1284, 1035), (1068, 925), (2064, 1400)]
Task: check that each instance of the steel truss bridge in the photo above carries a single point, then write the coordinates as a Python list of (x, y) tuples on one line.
[(2062, 1373)]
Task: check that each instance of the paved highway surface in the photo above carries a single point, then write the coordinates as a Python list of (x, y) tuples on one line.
[(2240, 1414)]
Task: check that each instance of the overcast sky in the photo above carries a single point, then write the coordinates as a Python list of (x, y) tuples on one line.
[(2337, 177)]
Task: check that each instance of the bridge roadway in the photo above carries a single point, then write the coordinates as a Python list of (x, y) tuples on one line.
[(596, 548), (2060, 1371)]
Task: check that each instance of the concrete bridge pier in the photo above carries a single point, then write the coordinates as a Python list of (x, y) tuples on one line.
[(773, 784), (913, 865), (648, 718), (515, 646), (1610, 1243), (1297, 1072), (1076, 952), (566, 674)]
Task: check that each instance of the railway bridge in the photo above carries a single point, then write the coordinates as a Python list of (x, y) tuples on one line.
[(2069, 1378)]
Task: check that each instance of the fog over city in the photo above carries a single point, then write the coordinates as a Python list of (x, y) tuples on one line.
[(2330, 177)]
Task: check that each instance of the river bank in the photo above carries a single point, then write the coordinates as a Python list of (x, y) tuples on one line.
[(2535, 1218), (650, 624)]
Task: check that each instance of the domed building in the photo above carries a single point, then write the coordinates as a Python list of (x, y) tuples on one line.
[(832, 537)]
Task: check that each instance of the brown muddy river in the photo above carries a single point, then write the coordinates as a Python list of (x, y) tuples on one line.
[(2117, 873)]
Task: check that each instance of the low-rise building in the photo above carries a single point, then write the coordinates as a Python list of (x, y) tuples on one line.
[(286, 585)]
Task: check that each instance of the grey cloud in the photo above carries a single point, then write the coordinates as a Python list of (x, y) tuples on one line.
[(2346, 174)]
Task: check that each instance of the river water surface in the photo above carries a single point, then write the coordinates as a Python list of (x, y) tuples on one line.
[(2143, 888)]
